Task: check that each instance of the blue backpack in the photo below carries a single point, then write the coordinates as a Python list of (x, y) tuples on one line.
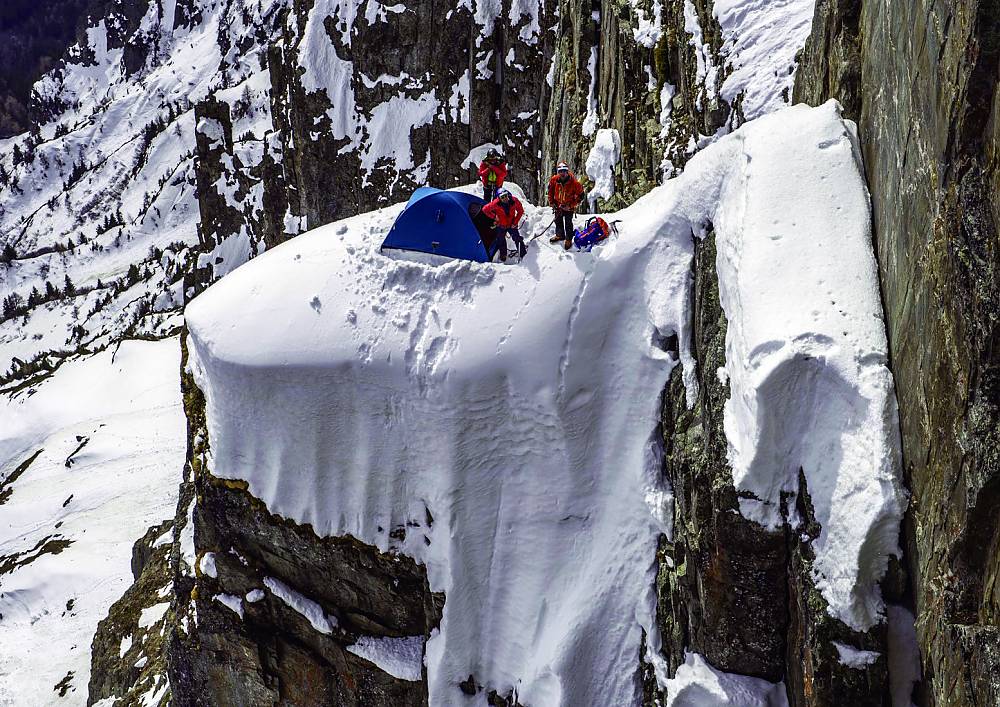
[(596, 230)]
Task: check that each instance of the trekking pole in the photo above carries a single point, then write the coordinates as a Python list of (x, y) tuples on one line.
[(542, 232)]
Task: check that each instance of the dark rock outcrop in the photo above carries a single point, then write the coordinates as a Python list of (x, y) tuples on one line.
[(128, 657), (723, 591), (921, 80), (234, 640), (34, 35), (627, 89)]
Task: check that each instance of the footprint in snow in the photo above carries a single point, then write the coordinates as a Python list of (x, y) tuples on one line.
[(316, 304)]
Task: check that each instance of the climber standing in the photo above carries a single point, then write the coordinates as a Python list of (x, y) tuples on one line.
[(565, 194), (506, 211), (492, 172)]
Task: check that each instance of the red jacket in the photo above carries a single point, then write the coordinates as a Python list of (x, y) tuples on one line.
[(505, 217), (565, 195), (496, 172)]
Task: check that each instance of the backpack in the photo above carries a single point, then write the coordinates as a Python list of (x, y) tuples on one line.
[(596, 230)]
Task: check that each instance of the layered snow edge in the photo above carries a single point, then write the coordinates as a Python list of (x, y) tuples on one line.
[(519, 404)]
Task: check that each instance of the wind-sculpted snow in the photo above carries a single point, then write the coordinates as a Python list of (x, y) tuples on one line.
[(806, 357), (517, 406)]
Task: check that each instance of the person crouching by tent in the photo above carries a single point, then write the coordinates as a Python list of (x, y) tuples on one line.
[(492, 172), (565, 194), (506, 211)]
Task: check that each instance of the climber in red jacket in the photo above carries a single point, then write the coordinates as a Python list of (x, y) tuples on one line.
[(492, 172), (506, 211), (565, 194)]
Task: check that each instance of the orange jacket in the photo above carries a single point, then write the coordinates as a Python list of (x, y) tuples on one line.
[(565, 195), (504, 216)]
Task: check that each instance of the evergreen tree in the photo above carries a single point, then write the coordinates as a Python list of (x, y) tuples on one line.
[(12, 304)]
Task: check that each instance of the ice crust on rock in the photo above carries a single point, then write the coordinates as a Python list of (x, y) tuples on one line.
[(519, 404)]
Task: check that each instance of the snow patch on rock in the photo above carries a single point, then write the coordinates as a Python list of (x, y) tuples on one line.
[(590, 119), (151, 614), (601, 163), (698, 684), (231, 602), (312, 611), (855, 657), (207, 565), (400, 657)]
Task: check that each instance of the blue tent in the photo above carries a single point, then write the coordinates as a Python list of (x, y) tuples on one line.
[(443, 223)]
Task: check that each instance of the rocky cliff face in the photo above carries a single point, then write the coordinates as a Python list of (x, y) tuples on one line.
[(921, 80), (318, 110), (631, 67), (365, 107), (265, 610)]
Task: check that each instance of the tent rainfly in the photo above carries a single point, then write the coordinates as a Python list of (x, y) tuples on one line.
[(444, 223)]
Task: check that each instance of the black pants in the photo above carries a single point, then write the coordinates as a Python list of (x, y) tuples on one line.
[(564, 224), (502, 235), (489, 192)]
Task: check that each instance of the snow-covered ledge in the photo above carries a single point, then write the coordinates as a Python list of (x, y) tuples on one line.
[(518, 404)]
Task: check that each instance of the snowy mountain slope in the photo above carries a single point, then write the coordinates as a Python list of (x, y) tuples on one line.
[(91, 461), (518, 406), (761, 39), (98, 210), (99, 229)]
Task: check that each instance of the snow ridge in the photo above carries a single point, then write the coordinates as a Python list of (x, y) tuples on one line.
[(531, 441)]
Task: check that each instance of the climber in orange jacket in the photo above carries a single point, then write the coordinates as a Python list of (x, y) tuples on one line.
[(492, 172), (565, 194), (506, 211)]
